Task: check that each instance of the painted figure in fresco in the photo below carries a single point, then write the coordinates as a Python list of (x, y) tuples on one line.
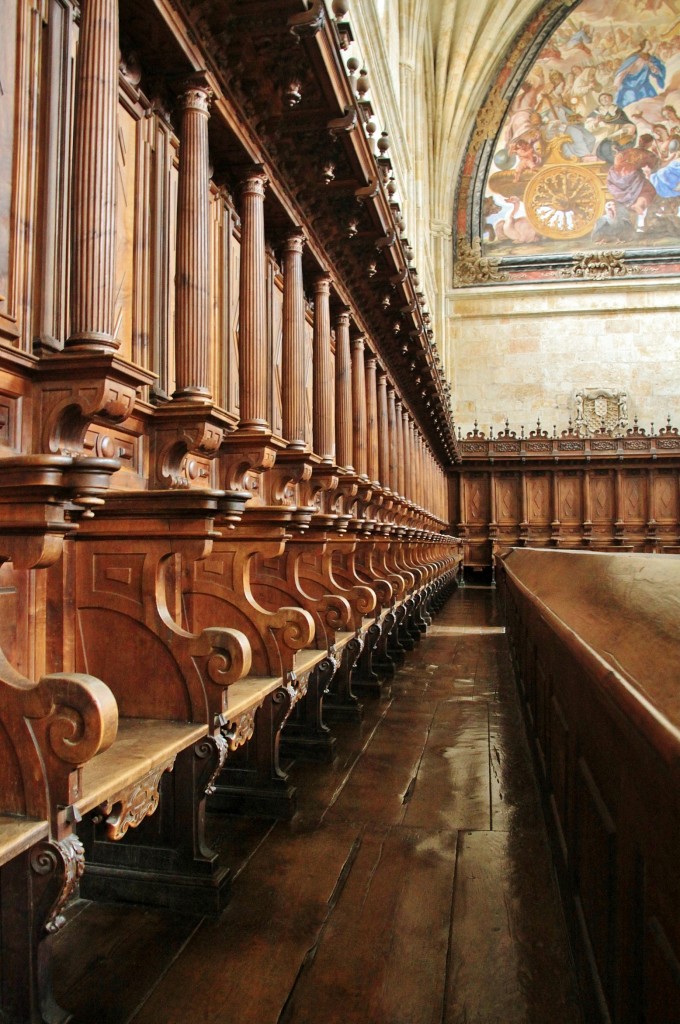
[(627, 182), (612, 126), (580, 40), (639, 77), (562, 119), (613, 227), (666, 179)]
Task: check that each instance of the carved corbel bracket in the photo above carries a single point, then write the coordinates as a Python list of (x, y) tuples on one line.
[(309, 22), (244, 457), (347, 123), (79, 388), (187, 436), (56, 868)]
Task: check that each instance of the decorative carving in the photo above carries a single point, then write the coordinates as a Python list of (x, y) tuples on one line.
[(65, 859), (216, 747), (471, 267), (489, 117), (241, 729), (309, 22), (598, 409), (596, 266), (137, 803)]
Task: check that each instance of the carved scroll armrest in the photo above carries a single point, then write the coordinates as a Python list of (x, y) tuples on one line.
[(293, 630), (72, 718), (336, 612), (223, 656)]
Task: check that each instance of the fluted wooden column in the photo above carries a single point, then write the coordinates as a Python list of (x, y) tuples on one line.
[(324, 384), (293, 350), (408, 455), (359, 415), (343, 393), (383, 433), (192, 273), (93, 199), (253, 372), (400, 446), (393, 476), (372, 420)]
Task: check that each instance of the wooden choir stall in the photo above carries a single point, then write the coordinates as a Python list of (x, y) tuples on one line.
[(223, 433)]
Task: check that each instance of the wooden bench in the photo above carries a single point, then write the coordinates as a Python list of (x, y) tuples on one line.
[(596, 643)]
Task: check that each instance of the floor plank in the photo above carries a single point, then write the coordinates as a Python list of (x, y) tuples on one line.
[(241, 968), (382, 957), (510, 960)]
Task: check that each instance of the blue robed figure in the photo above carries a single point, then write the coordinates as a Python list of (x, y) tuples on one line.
[(641, 75)]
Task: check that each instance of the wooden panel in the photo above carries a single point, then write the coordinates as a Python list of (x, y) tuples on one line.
[(634, 493), (538, 499), (602, 497), (275, 327), (569, 500), (559, 768), (665, 497), (476, 498), (125, 228), (507, 499)]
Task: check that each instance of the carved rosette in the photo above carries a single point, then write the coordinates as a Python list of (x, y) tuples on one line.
[(64, 861), (137, 803)]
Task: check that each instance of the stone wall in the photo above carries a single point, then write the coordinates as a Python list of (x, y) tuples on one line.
[(523, 352)]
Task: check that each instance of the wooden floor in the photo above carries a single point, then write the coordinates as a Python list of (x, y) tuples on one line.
[(414, 886)]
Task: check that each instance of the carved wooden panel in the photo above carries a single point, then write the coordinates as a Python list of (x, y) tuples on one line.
[(476, 498), (10, 604), (634, 488), (160, 358), (538, 499), (569, 498), (665, 497), (235, 262), (602, 497), (507, 498)]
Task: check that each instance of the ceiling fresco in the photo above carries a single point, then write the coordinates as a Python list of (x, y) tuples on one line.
[(583, 175)]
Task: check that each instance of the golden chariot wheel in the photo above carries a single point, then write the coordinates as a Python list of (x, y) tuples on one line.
[(564, 200)]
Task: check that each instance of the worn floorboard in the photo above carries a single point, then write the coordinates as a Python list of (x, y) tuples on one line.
[(414, 886)]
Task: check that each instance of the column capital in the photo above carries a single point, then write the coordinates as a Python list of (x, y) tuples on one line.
[(343, 317), (295, 241), (254, 181), (371, 359), (322, 284), (196, 94), (358, 342)]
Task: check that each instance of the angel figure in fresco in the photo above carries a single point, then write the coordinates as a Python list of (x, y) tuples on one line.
[(640, 76), (627, 179)]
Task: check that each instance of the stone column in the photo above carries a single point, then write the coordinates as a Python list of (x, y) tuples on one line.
[(324, 384), (359, 415), (383, 432), (393, 475), (93, 198), (372, 420), (343, 393), (398, 407), (293, 350), (192, 272), (254, 352)]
